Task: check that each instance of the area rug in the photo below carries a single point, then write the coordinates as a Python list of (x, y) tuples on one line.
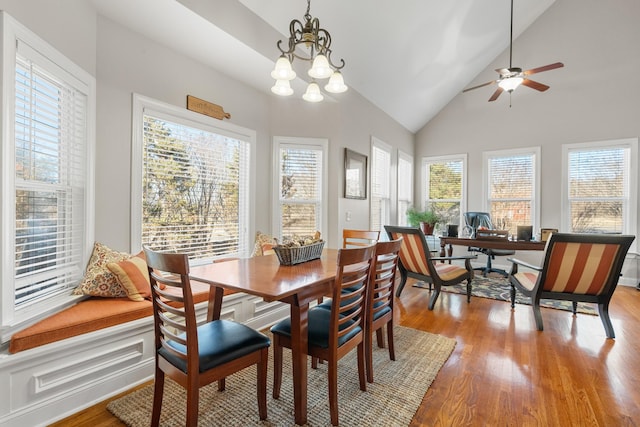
[(392, 400), (498, 288)]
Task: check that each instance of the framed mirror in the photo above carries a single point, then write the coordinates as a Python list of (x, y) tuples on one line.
[(355, 175)]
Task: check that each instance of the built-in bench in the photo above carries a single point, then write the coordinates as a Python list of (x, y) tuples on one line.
[(93, 350)]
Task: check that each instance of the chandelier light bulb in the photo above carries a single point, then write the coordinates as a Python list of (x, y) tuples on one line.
[(511, 83), (283, 70), (313, 93), (282, 88), (320, 68), (336, 83)]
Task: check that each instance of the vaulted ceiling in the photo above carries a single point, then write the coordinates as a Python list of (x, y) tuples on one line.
[(409, 57)]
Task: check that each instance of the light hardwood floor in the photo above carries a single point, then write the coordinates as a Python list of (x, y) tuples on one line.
[(503, 372)]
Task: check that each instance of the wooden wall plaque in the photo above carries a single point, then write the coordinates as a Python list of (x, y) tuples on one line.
[(207, 108)]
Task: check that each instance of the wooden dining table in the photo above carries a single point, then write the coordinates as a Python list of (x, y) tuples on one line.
[(296, 285)]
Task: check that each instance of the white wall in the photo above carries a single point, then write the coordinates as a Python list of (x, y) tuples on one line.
[(596, 96)]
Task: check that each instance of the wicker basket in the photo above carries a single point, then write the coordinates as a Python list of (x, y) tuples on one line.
[(298, 254)]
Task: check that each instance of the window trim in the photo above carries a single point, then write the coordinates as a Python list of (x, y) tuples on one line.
[(141, 103), (535, 151), (13, 320), (631, 222), (441, 159), (319, 143), (381, 145), (408, 158)]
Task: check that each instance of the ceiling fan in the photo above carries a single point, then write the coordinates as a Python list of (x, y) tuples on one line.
[(512, 77)]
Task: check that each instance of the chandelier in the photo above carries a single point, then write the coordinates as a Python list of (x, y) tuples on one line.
[(317, 42)]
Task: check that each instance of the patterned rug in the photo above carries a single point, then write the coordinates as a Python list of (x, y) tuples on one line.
[(392, 400), (498, 288)]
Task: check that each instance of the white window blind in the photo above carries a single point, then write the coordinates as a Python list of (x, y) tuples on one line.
[(194, 188), (50, 178), (380, 185), (598, 189), (405, 186), (300, 181), (444, 187), (511, 194)]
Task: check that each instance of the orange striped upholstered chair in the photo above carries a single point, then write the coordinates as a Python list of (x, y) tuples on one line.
[(416, 262), (576, 268)]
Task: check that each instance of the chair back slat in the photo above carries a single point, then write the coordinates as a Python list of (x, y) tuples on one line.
[(384, 276)]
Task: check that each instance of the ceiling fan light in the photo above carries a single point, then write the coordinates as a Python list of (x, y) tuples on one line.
[(336, 83), (282, 88), (320, 68), (511, 83), (313, 93), (283, 70)]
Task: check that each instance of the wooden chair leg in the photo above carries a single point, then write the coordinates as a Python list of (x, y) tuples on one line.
[(332, 379), (361, 367), (263, 367), (380, 338), (277, 366), (158, 391), (368, 344), (221, 384), (392, 350), (193, 393)]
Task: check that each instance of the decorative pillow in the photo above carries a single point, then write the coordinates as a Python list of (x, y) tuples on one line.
[(98, 281), (264, 242), (133, 276)]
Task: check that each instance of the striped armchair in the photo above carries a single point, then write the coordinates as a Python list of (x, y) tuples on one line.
[(416, 262), (577, 268)]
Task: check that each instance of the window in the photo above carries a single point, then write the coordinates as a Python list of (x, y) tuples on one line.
[(599, 187), (444, 186), (300, 186), (512, 180), (47, 167), (405, 186), (192, 181), (380, 185)]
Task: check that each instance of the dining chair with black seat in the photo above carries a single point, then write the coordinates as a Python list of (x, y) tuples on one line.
[(577, 267), (380, 305), (359, 238), (416, 262), (334, 333), (193, 355), (476, 220)]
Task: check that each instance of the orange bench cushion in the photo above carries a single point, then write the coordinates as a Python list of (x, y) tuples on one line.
[(87, 316)]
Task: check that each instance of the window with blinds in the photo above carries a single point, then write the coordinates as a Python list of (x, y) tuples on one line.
[(405, 186), (380, 185), (194, 188), (300, 189), (511, 189), (50, 178), (598, 189), (444, 187)]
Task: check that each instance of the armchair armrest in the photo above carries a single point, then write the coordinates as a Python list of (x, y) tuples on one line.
[(453, 258), (516, 262)]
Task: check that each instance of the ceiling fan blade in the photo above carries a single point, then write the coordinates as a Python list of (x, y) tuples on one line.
[(496, 94), (535, 85), (479, 86), (543, 68)]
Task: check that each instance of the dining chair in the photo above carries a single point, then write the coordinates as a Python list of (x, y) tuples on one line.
[(359, 238), (380, 300), (193, 355), (334, 333), (577, 267), (416, 262)]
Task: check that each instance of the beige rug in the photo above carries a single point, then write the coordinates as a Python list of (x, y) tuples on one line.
[(391, 400)]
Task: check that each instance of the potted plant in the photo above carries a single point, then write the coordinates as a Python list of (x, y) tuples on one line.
[(426, 220)]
